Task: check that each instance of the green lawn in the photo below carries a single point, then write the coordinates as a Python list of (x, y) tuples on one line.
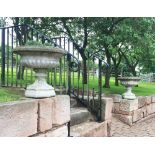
[(6, 94), (143, 89)]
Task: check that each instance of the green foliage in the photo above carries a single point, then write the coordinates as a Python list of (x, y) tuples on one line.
[(129, 41), (37, 43)]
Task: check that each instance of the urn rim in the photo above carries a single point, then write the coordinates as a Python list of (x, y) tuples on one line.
[(23, 49)]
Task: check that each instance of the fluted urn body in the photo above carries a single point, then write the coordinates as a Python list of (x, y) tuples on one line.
[(40, 59), (129, 82)]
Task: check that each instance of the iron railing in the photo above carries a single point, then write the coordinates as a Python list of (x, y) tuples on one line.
[(66, 78)]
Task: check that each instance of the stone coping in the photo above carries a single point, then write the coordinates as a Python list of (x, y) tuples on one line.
[(21, 101)]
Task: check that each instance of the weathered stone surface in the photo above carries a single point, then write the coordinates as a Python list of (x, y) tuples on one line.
[(153, 98), (124, 118), (89, 129), (137, 115), (18, 118), (109, 125), (144, 111), (60, 131), (128, 105), (151, 108), (148, 99), (61, 109), (116, 97), (115, 108), (73, 102), (141, 101), (80, 115), (106, 109), (94, 104), (45, 114)]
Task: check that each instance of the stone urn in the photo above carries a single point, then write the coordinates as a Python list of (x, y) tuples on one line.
[(129, 82), (40, 59)]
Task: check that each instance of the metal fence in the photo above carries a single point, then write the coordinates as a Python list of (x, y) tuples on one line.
[(66, 78)]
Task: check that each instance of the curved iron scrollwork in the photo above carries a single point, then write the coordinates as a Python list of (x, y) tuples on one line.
[(74, 66), (74, 63)]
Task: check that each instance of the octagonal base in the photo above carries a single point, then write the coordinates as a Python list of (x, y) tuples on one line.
[(129, 96), (40, 88), (40, 93)]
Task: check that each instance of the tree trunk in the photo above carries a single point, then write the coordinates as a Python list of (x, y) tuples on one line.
[(84, 71), (116, 77), (133, 71), (107, 79), (108, 72)]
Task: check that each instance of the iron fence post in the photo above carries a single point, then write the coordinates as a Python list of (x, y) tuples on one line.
[(68, 126), (3, 58), (100, 89), (69, 74)]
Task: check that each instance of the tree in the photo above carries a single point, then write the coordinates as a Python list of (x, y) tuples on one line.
[(77, 29), (106, 40)]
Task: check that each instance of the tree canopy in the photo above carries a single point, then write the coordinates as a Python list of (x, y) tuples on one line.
[(123, 42)]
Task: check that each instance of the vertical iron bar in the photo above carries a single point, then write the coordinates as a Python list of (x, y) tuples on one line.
[(3, 58), (17, 56), (26, 78), (68, 126), (100, 88), (54, 77), (88, 82), (60, 70), (60, 75), (64, 64), (8, 56), (69, 71), (83, 84), (73, 71), (78, 78), (69, 75), (12, 58)]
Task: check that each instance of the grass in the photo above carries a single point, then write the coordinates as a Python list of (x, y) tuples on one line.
[(6, 94), (143, 89)]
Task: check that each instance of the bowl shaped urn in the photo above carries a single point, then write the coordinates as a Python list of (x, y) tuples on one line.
[(129, 82), (40, 59)]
